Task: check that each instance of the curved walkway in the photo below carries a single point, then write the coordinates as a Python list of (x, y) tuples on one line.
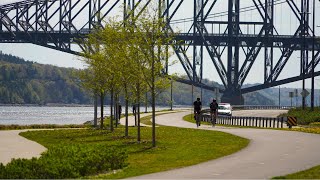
[(12, 145), (270, 153)]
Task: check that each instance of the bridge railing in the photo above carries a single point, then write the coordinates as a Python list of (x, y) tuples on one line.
[(264, 122)]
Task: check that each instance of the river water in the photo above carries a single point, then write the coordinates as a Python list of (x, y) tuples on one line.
[(27, 115)]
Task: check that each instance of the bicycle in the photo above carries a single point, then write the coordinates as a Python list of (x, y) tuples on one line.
[(197, 118), (213, 118)]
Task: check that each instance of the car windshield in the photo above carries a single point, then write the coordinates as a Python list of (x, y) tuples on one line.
[(223, 107)]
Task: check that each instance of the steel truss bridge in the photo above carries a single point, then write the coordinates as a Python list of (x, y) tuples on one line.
[(233, 50)]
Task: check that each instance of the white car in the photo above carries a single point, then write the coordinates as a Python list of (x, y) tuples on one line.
[(224, 109)]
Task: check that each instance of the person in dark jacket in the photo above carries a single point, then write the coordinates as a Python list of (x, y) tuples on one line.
[(197, 106)]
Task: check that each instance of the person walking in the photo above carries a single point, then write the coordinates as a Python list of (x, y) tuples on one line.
[(213, 111), (135, 114), (119, 110), (197, 110)]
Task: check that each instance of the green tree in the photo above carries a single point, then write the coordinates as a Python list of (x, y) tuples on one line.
[(102, 56), (151, 37)]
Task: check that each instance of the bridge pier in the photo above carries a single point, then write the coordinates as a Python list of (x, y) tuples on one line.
[(232, 97)]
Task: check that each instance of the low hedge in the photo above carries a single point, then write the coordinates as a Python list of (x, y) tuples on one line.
[(74, 161), (305, 116)]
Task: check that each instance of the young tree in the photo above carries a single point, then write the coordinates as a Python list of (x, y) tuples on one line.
[(86, 76), (93, 78), (152, 40), (101, 57)]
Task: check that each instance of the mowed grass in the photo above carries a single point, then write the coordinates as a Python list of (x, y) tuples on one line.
[(176, 147), (312, 173)]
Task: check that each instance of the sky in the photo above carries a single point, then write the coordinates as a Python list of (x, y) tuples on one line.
[(285, 22)]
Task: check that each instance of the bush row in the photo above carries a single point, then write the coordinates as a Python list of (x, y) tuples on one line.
[(305, 117), (62, 162)]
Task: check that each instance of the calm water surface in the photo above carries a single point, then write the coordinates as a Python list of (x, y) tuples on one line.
[(26, 115)]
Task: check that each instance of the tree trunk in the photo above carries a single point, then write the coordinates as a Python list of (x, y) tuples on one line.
[(111, 111), (146, 103), (116, 111), (126, 113), (138, 108), (101, 104), (153, 102), (153, 118), (95, 119)]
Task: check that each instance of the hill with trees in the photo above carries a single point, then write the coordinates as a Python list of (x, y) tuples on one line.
[(27, 82)]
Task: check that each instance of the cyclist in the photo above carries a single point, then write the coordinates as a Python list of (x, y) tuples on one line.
[(213, 111), (197, 109)]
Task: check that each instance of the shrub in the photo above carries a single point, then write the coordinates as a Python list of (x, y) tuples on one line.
[(66, 162), (306, 116)]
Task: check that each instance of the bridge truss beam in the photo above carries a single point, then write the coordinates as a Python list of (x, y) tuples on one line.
[(63, 24)]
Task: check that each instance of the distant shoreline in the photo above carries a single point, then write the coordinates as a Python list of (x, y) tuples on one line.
[(79, 105), (49, 105)]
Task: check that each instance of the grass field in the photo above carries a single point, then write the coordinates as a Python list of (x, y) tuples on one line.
[(176, 147), (312, 173)]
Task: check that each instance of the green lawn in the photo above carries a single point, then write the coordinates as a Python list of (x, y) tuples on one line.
[(176, 147), (313, 173)]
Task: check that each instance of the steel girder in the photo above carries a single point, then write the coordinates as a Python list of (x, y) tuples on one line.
[(59, 24), (268, 38), (52, 23)]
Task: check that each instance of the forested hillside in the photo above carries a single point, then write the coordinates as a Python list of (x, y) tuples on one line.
[(26, 82)]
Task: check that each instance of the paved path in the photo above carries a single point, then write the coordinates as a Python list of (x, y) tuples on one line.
[(131, 118), (270, 153), (12, 145)]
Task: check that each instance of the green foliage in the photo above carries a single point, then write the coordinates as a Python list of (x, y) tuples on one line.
[(312, 173), (13, 59), (62, 162), (306, 116), (24, 82)]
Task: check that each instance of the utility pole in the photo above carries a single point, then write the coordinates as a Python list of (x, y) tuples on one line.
[(171, 99), (304, 22), (279, 98), (312, 64), (146, 103)]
